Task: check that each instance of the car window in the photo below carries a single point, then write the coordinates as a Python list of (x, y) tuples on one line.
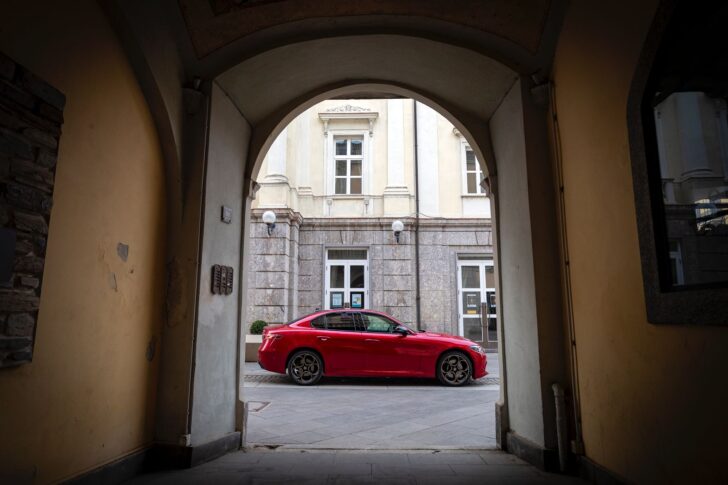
[(298, 319), (343, 321), (377, 323), (319, 322)]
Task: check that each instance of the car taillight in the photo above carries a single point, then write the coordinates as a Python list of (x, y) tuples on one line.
[(272, 336)]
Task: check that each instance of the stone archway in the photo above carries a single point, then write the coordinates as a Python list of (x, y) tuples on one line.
[(450, 72)]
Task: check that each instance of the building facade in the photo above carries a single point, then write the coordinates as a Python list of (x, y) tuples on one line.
[(337, 178)]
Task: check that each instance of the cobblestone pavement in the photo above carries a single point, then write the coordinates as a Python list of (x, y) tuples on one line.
[(376, 414), (360, 467)]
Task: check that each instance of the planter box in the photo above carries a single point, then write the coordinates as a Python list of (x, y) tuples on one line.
[(252, 344)]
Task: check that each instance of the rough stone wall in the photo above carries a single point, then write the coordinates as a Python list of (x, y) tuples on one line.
[(273, 258), (391, 266), (440, 244), (31, 115)]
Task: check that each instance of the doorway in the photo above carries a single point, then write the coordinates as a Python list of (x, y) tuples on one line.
[(477, 312), (347, 278)]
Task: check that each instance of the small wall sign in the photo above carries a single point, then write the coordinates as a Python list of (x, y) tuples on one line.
[(226, 214), (222, 280)]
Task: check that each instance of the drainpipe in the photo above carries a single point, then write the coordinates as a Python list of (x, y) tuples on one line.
[(195, 97), (417, 223), (562, 433), (578, 443)]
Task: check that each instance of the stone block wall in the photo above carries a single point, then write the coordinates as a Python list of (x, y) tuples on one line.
[(291, 283), (273, 285), (31, 115)]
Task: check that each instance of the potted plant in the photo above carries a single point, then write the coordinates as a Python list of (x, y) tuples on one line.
[(256, 328), (253, 340)]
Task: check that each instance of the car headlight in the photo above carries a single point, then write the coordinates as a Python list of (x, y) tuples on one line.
[(478, 349)]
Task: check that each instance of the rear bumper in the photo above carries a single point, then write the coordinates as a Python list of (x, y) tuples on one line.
[(271, 360)]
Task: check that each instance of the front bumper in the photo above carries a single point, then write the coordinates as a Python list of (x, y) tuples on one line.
[(480, 362)]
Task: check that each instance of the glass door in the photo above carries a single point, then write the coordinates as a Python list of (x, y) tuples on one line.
[(476, 301), (490, 303), (471, 297), (347, 278)]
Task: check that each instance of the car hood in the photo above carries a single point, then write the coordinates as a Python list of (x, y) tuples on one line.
[(445, 336)]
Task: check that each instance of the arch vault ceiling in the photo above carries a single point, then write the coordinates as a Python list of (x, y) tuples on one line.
[(264, 83)]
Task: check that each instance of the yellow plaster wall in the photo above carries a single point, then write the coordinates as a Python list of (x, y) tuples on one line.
[(88, 397), (654, 398)]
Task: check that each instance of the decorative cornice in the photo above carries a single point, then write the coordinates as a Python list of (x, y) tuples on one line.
[(348, 108), (348, 112)]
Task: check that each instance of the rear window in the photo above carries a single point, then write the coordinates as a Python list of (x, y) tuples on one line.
[(298, 319), (341, 321), (319, 322)]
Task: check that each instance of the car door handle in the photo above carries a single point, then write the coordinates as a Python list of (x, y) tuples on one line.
[(322, 338), (371, 340)]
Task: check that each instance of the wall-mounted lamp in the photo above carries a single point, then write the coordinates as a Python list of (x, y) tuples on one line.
[(397, 228), (269, 217)]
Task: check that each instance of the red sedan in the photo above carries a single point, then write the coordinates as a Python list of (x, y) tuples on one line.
[(366, 343)]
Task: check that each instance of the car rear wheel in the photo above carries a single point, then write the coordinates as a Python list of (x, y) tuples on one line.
[(454, 369), (305, 368)]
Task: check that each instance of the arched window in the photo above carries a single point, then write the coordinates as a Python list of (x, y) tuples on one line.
[(679, 140)]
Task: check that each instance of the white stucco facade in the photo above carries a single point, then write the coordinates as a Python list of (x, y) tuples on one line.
[(299, 170)]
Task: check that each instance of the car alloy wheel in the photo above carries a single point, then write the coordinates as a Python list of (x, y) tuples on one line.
[(454, 369), (305, 368)]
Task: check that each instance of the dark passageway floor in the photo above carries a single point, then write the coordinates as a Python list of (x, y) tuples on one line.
[(365, 467)]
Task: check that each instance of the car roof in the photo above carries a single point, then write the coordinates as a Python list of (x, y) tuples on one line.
[(348, 310), (345, 310)]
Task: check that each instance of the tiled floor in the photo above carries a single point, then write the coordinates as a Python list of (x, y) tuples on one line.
[(353, 467)]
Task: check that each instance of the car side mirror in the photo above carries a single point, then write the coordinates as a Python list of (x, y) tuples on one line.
[(402, 331)]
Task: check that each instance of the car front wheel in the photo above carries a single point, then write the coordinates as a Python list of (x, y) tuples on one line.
[(305, 368), (454, 369)]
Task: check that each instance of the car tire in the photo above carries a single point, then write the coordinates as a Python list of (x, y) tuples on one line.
[(305, 368), (454, 369)]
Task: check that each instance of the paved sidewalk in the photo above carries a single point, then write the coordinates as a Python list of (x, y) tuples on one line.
[(377, 414), (334, 467)]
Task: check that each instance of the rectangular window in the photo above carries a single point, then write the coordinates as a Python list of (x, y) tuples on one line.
[(473, 174), (678, 126), (348, 161), (377, 323), (692, 146), (347, 254), (341, 321)]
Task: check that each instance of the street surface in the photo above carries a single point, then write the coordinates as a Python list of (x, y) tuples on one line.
[(375, 414)]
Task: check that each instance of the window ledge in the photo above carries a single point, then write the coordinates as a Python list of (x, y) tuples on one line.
[(348, 196), (474, 196)]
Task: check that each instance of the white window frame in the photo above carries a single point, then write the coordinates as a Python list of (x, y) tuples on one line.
[(366, 162), (348, 157), (676, 257), (484, 290), (347, 264), (351, 114), (479, 175)]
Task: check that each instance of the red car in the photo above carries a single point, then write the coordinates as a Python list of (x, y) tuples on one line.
[(366, 343)]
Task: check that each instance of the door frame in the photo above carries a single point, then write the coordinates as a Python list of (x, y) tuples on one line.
[(482, 264), (347, 263)]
